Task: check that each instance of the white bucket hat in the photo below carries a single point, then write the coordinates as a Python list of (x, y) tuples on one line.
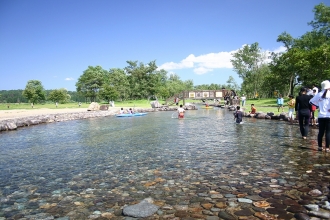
[(325, 84)]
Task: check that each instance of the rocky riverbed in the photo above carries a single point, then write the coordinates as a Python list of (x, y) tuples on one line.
[(279, 181)]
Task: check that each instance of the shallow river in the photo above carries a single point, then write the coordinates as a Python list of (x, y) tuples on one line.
[(98, 165)]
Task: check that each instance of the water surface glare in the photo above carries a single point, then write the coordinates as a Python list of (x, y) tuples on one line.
[(120, 160)]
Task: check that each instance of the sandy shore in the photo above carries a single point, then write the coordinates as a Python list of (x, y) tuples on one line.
[(21, 113)]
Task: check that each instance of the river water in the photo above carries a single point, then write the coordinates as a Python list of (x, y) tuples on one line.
[(85, 168)]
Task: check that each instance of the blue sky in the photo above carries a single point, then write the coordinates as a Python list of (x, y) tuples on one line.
[(54, 41)]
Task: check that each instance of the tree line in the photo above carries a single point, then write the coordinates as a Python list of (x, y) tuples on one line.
[(306, 61), (136, 81)]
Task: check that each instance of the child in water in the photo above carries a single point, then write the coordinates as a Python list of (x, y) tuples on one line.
[(238, 116)]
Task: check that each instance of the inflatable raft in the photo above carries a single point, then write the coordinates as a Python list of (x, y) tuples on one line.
[(131, 115)]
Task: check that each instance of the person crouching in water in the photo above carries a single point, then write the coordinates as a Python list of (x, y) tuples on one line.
[(181, 112), (238, 115)]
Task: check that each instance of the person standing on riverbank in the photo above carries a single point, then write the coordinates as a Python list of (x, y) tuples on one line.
[(280, 102), (303, 111), (322, 100), (243, 99)]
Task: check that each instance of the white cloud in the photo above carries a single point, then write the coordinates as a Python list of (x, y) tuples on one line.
[(207, 62), (69, 79), (201, 70)]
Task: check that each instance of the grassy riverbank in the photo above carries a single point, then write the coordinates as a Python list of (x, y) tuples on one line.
[(264, 105)]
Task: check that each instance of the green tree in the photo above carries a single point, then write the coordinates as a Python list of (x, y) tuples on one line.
[(232, 84), (307, 58), (34, 91), (140, 78), (247, 63), (91, 81), (109, 93), (118, 79), (59, 95)]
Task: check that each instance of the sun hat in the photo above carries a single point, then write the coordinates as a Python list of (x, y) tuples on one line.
[(325, 84)]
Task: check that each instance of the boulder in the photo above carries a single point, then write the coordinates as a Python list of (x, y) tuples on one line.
[(94, 106), (11, 126), (261, 115), (270, 113), (104, 107)]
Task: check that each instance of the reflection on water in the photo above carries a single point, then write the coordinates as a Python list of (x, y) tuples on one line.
[(120, 155)]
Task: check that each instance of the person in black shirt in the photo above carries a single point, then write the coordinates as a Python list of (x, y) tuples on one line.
[(238, 115), (303, 111)]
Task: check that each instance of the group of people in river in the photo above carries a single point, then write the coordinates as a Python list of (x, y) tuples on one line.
[(306, 104), (304, 107)]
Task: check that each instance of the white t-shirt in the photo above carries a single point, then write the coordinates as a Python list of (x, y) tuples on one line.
[(243, 98), (323, 104), (181, 110)]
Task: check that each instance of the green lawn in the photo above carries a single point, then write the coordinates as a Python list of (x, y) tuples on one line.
[(264, 105)]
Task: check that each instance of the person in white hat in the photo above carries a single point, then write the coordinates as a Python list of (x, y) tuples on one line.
[(322, 100)]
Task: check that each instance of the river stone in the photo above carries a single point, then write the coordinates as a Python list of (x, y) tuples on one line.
[(11, 126), (181, 214), (226, 216), (296, 209), (244, 212), (244, 200), (212, 218), (279, 206), (264, 216), (302, 216), (266, 194), (290, 202), (312, 207), (140, 210), (315, 192), (321, 214)]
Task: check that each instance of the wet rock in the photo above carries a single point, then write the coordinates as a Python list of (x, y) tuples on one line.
[(312, 207), (266, 194), (141, 210), (220, 205), (315, 192), (212, 218), (181, 214), (296, 209), (285, 216), (279, 206), (244, 200), (265, 216), (11, 126), (244, 212), (261, 204), (321, 214), (226, 216), (290, 202), (304, 202), (276, 211), (302, 216)]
